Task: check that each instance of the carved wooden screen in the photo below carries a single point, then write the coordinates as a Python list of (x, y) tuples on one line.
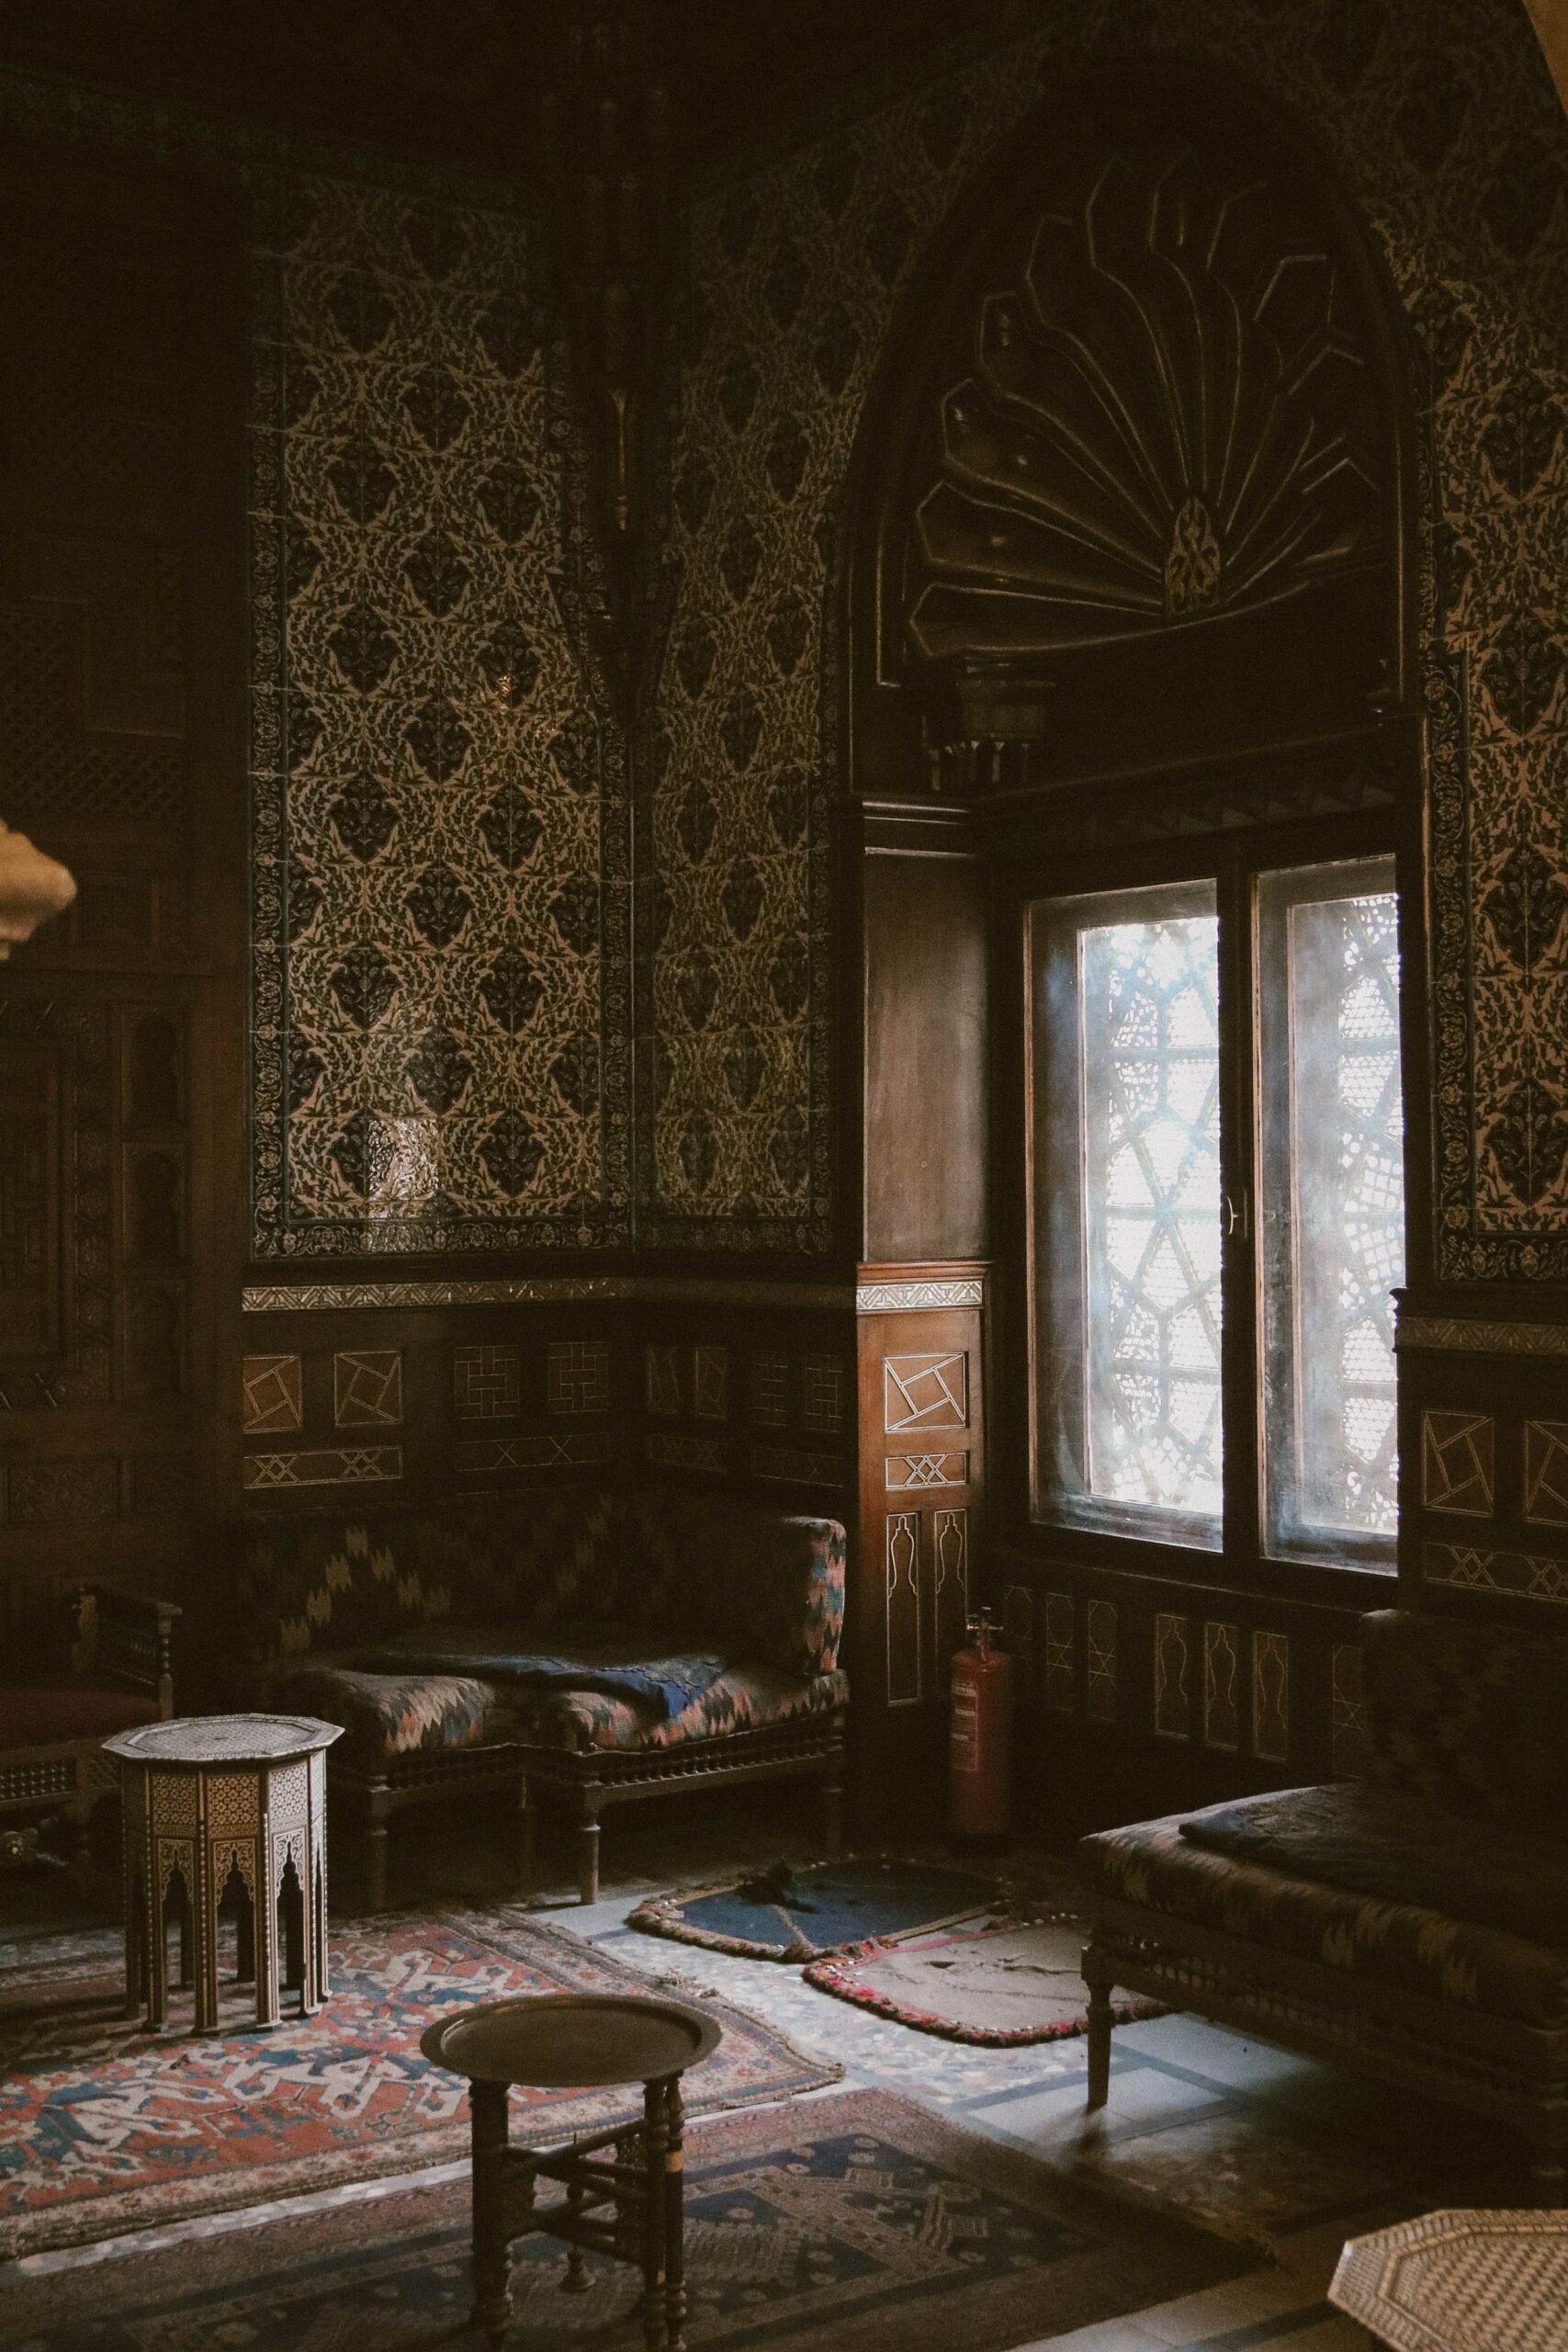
[(1147, 511)]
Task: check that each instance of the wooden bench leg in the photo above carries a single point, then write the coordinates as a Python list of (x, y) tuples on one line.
[(380, 1802), (1099, 1989), (833, 1811), (588, 1845)]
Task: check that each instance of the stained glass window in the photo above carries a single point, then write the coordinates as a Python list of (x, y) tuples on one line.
[(1332, 1205)]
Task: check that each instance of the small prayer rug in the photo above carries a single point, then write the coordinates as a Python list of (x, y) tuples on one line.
[(857, 2221), (995, 1985), (800, 1912), (104, 2126)]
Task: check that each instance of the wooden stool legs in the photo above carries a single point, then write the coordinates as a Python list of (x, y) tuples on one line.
[(492, 2299), (504, 2209)]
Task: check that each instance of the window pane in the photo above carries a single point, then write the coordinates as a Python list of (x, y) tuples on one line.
[(1333, 1208), (1127, 1221)]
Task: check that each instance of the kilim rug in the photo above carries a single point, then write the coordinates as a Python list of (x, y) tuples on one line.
[(854, 2221), (798, 1913), (104, 2126), (995, 1985)]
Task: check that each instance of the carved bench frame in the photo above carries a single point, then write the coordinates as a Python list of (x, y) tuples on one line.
[(586, 1780), (1515, 2073)]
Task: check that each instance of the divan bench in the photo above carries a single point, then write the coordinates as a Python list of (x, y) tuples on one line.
[(585, 1648), (1413, 1922)]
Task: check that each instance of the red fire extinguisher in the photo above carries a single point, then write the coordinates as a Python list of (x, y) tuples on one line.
[(981, 1736)]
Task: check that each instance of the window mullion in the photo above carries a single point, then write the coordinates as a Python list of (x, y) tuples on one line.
[(1240, 1354)]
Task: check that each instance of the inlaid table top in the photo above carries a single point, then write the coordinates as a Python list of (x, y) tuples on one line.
[(224, 1739), (571, 2040), (1461, 2282)]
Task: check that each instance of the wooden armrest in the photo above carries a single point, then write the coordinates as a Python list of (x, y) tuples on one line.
[(128, 1635)]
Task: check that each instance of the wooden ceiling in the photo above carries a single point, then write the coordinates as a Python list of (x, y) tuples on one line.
[(458, 80)]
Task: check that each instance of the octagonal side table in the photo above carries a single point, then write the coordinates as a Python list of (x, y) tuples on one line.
[(211, 1798), (1459, 2280)]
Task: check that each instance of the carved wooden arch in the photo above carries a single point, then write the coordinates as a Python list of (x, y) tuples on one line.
[(1133, 490)]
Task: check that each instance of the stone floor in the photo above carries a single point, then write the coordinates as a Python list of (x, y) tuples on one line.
[(1281, 2154)]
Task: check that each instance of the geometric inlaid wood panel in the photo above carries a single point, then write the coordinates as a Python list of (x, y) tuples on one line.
[(906, 1681), (486, 1382), (577, 1376), (1173, 1699), (367, 1388), (1546, 1473), (273, 1394), (710, 1383), (1102, 1692), (927, 1391), (1221, 1687), (1458, 1463), (1271, 1697), (1061, 1657)]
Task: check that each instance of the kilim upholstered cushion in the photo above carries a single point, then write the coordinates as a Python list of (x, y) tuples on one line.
[(742, 1699), (1414, 1923), (1393, 1943), (419, 1632), (384, 1715)]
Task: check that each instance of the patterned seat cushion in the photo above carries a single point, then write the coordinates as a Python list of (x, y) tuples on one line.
[(387, 1715), (1399, 1944), (744, 1698), (1398, 1848)]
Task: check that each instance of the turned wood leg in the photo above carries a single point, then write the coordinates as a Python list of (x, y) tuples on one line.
[(654, 2135), (588, 1847), (492, 2299), (833, 1811), (1100, 1985), (380, 1808), (674, 2249)]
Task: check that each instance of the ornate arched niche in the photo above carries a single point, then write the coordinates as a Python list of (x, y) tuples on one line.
[(1132, 497)]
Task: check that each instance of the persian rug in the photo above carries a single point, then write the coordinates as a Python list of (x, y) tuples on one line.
[(795, 1913), (999, 1986), (104, 2126), (855, 2221)]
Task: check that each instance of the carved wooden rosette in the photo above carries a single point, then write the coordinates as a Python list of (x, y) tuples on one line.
[(1147, 510)]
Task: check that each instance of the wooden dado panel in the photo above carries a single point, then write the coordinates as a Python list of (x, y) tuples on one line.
[(1140, 1695), (1483, 1440), (431, 1406), (921, 1380), (756, 1396)]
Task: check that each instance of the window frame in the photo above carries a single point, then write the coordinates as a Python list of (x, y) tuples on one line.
[(1232, 862)]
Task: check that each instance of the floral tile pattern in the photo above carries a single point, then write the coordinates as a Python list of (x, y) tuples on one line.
[(1448, 134), (440, 890)]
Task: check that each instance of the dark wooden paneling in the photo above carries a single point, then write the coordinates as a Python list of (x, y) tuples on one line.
[(1483, 1451), (925, 1171), (917, 1565), (121, 640)]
